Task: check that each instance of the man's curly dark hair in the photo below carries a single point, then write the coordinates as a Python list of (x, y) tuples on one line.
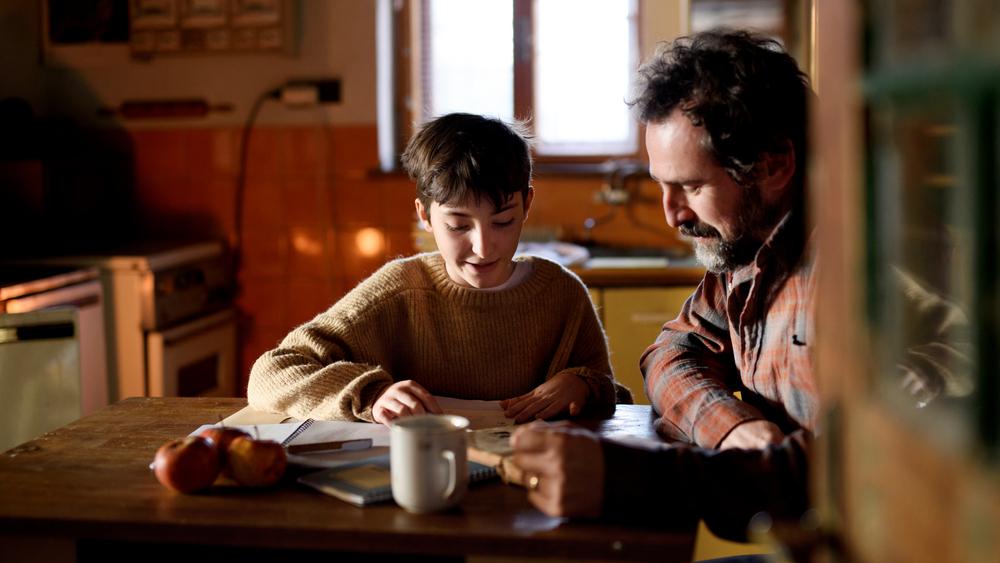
[(746, 91)]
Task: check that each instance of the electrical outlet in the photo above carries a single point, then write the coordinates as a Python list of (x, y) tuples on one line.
[(307, 92), (612, 196), (329, 91)]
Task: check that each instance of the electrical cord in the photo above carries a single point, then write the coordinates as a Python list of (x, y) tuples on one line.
[(659, 230), (241, 178), (625, 176)]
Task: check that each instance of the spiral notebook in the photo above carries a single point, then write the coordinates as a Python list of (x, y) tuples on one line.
[(369, 482)]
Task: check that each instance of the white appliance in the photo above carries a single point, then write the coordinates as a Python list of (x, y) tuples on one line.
[(39, 373), (174, 328), (196, 358), (171, 326), (53, 353)]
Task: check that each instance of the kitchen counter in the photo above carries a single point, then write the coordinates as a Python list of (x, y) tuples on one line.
[(600, 267), (624, 275)]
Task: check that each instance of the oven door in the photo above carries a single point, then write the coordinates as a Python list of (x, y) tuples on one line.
[(194, 359)]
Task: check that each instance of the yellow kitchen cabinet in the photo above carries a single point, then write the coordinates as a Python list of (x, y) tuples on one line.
[(632, 318), (595, 297)]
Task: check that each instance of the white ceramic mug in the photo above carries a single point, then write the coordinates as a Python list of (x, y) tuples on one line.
[(428, 461)]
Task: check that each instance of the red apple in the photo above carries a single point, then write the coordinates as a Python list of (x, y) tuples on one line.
[(187, 464), (222, 436), (255, 463)]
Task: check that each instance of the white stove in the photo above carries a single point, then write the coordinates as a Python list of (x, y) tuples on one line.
[(170, 321)]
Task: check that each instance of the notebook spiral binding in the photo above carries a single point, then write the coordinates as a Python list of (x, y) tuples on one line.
[(301, 428)]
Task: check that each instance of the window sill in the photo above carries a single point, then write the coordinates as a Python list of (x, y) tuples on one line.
[(574, 169)]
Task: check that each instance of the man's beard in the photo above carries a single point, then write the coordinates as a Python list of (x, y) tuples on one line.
[(720, 255)]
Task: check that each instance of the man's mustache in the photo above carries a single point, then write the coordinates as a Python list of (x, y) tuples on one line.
[(698, 230)]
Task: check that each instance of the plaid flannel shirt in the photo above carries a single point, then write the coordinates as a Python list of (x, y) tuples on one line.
[(749, 331)]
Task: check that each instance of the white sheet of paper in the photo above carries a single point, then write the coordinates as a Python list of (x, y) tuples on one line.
[(250, 415), (318, 431), (315, 431), (481, 414), (336, 430), (276, 432)]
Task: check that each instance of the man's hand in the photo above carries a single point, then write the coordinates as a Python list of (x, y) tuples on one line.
[(563, 468), (564, 392), (403, 398), (752, 435)]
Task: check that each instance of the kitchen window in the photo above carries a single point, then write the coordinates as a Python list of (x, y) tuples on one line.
[(564, 66)]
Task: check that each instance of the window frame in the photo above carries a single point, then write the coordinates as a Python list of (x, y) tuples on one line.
[(409, 45)]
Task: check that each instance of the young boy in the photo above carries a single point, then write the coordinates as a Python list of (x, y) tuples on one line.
[(467, 321)]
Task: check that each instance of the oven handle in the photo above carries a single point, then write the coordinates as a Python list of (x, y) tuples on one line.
[(197, 326)]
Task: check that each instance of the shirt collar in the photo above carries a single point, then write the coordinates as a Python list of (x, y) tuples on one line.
[(782, 248)]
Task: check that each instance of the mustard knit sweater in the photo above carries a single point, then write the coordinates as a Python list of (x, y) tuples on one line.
[(410, 321)]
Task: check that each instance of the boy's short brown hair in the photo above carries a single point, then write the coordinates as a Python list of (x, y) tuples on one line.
[(461, 154)]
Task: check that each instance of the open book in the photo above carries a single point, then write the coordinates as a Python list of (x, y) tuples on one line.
[(481, 414), (491, 446), (315, 443)]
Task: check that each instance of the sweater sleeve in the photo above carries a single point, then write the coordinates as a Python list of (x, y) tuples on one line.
[(672, 484), (690, 374), (310, 375), (589, 360)]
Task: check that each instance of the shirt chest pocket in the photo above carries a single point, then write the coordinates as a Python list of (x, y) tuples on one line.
[(800, 343), (800, 329)]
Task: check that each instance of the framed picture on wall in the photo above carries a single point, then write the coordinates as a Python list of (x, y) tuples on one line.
[(195, 27), (84, 33)]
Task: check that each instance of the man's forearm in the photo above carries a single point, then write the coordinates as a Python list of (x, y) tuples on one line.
[(688, 388), (669, 485)]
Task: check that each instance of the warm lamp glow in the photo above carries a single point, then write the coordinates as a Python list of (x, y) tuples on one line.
[(305, 243), (370, 242)]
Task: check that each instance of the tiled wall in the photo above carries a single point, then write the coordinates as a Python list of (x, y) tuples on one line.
[(567, 202), (317, 219), (309, 192)]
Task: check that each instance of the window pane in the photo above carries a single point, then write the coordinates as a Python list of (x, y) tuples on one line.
[(923, 232), (470, 58), (585, 52)]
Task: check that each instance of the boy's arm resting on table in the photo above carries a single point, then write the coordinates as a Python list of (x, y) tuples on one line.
[(307, 377), (723, 488), (590, 361), (602, 391), (580, 380), (690, 374)]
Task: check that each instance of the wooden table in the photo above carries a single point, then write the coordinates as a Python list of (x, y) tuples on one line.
[(85, 492)]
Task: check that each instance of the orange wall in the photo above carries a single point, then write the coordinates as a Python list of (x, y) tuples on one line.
[(308, 192)]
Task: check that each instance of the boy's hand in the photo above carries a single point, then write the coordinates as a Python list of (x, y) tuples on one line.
[(563, 468), (403, 398), (564, 393)]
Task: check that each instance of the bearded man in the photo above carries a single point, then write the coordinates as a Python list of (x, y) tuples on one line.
[(726, 123), (726, 117)]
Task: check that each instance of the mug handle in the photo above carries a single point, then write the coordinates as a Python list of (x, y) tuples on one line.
[(452, 473)]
